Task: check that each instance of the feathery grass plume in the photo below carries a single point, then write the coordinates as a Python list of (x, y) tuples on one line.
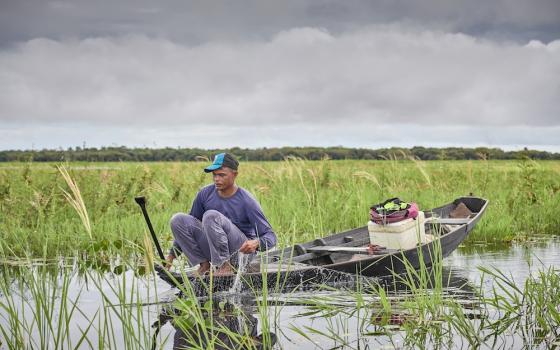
[(484, 158), (403, 153), (75, 199), (266, 173), (202, 159), (420, 167), (148, 253), (161, 188), (365, 175)]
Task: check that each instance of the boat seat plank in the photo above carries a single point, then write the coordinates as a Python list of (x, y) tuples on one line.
[(350, 250), (450, 221), (303, 254), (338, 249)]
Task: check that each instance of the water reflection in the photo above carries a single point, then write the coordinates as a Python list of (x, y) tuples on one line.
[(329, 312), (232, 327)]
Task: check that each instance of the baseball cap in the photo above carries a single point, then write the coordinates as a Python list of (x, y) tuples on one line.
[(221, 160)]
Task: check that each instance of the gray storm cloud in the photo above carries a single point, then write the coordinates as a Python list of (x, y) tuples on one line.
[(378, 75), (200, 21)]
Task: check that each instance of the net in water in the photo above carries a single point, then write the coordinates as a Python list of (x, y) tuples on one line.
[(258, 274)]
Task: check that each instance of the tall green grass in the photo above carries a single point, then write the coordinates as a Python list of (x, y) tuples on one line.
[(302, 199), (50, 307)]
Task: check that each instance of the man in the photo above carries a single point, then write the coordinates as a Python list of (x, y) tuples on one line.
[(224, 219)]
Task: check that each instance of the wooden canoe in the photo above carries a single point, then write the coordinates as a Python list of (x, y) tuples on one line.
[(343, 257)]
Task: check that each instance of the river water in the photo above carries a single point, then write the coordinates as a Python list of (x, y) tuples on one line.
[(517, 261), (101, 313)]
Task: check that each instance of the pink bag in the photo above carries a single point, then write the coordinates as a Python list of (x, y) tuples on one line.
[(380, 215)]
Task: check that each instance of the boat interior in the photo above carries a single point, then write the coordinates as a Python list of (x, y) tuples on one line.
[(357, 244)]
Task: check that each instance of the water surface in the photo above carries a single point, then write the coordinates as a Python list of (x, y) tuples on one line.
[(123, 307)]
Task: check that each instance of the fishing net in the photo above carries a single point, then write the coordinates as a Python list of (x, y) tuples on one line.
[(258, 274)]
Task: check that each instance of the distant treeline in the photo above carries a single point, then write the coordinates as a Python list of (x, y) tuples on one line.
[(116, 154)]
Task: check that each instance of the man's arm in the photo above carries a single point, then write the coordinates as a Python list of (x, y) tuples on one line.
[(197, 208), (265, 234)]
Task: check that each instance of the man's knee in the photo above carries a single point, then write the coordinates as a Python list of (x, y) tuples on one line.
[(210, 216), (181, 220)]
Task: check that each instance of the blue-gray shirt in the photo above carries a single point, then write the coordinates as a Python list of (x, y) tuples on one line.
[(242, 209)]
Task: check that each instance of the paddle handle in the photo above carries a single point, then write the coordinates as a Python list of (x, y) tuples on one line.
[(142, 203)]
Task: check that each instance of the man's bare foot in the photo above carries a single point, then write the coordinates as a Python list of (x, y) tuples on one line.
[(169, 261), (225, 270), (203, 268)]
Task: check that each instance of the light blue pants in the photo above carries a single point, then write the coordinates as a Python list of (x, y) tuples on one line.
[(215, 239)]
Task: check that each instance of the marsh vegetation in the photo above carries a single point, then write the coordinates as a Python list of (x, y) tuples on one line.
[(75, 209), (76, 258)]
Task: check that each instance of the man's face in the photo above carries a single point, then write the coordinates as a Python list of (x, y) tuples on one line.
[(224, 178)]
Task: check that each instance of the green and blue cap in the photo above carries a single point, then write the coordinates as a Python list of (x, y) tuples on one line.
[(221, 160)]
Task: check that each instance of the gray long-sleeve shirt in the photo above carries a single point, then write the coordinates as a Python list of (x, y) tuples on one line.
[(242, 209)]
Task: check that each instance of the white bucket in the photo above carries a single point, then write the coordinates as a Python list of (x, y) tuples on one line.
[(404, 234)]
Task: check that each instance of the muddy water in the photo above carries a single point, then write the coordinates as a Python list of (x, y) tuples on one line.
[(101, 299)]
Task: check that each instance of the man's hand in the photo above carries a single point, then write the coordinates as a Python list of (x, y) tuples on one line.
[(169, 261), (249, 246)]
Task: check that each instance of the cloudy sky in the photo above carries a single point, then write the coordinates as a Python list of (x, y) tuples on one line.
[(258, 73)]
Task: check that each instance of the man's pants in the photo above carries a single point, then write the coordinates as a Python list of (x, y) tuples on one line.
[(215, 239)]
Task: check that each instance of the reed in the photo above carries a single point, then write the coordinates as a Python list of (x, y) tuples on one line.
[(50, 307), (530, 310), (75, 199)]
